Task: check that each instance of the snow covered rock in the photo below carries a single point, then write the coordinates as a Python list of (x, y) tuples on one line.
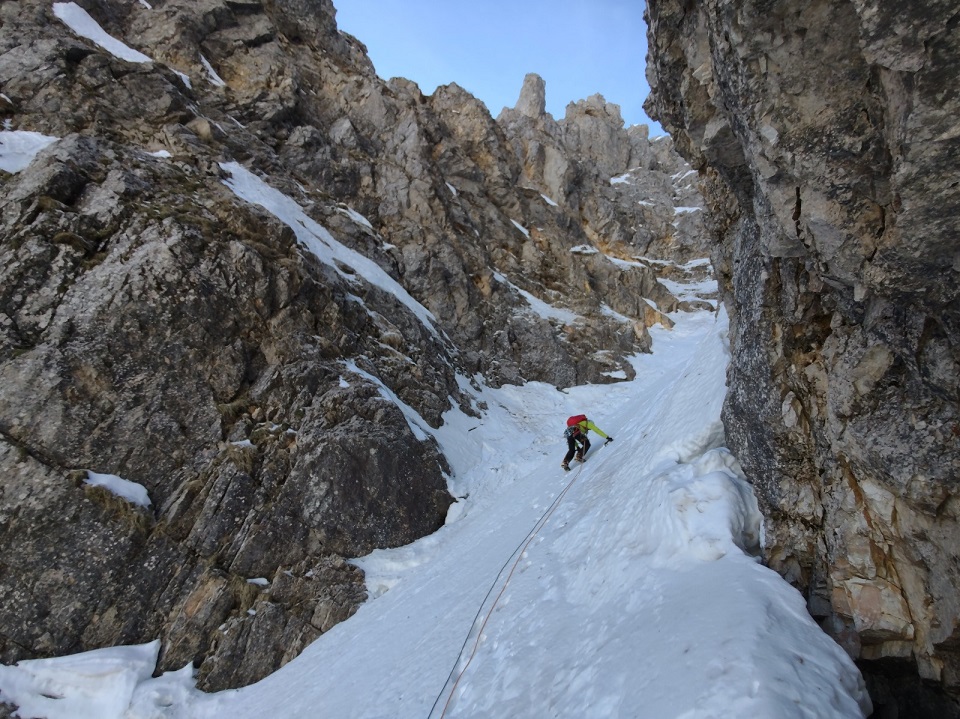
[(176, 342)]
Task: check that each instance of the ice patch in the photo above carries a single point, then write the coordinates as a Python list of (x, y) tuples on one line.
[(421, 430), (355, 216), (584, 250), (610, 312), (186, 80), (625, 264)]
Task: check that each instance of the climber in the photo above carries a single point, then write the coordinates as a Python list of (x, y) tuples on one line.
[(577, 442)]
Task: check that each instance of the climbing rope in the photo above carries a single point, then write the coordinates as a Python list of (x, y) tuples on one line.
[(518, 552)]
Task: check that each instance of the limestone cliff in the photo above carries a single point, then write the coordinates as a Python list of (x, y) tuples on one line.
[(250, 276), (827, 139)]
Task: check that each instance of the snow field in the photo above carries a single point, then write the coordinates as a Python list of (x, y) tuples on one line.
[(639, 597), (91, 685)]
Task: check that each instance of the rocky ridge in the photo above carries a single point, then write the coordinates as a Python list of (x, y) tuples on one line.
[(251, 276), (827, 139)]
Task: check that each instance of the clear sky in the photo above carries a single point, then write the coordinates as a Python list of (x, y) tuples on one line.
[(579, 47)]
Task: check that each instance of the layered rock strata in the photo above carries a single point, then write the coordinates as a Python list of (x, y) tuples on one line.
[(827, 139)]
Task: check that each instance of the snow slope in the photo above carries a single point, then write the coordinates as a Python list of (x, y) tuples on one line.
[(636, 594)]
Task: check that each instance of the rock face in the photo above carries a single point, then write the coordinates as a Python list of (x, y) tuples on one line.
[(636, 197), (223, 281), (826, 135)]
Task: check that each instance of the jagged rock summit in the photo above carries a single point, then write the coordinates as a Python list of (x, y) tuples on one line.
[(637, 196), (828, 137), (250, 276)]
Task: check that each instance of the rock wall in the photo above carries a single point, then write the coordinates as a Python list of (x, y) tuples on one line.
[(242, 360), (827, 140)]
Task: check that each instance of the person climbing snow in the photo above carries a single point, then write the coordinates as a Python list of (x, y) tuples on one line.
[(577, 443)]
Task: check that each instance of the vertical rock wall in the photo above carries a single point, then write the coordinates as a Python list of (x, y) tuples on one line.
[(827, 135)]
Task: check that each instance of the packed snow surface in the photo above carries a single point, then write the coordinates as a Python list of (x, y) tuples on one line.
[(92, 685), (79, 20), (123, 488), (627, 587), (19, 147)]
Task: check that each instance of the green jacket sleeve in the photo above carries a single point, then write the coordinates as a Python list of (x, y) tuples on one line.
[(595, 428)]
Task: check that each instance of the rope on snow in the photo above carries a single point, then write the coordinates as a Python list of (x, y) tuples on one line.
[(518, 552)]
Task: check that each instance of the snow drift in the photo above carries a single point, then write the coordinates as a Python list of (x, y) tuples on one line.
[(641, 595)]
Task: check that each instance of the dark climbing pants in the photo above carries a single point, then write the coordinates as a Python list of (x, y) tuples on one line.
[(576, 446)]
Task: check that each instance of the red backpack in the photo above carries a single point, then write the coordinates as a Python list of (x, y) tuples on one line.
[(576, 419)]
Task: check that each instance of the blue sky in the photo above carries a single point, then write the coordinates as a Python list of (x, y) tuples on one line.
[(579, 47)]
